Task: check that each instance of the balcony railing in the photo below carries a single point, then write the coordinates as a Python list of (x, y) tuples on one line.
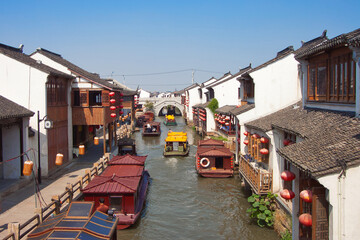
[(259, 179)]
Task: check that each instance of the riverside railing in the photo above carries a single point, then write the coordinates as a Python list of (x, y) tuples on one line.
[(58, 202), (260, 180)]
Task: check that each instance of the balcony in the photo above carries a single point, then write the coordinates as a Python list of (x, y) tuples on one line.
[(94, 115), (258, 178)]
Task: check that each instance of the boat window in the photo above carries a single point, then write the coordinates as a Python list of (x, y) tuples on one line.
[(219, 162), (116, 202), (176, 146)]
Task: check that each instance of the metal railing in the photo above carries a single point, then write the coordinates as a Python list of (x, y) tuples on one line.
[(58, 202), (259, 180)]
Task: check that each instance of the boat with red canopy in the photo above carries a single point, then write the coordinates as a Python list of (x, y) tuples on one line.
[(123, 185), (213, 159)]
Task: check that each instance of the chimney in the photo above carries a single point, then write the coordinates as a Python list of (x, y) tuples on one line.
[(21, 47)]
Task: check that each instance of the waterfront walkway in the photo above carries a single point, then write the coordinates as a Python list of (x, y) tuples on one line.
[(17, 198)]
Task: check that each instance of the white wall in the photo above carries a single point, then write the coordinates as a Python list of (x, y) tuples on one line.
[(144, 94), (25, 86), (344, 199), (194, 99), (227, 92)]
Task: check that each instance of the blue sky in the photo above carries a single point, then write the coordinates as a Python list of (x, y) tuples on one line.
[(124, 38)]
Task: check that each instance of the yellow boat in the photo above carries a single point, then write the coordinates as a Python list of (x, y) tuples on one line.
[(176, 144)]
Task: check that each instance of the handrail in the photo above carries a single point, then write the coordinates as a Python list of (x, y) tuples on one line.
[(260, 181), (57, 202)]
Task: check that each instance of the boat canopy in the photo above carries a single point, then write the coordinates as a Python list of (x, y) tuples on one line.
[(170, 117), (76, 223), (176, 139), (171, 133)]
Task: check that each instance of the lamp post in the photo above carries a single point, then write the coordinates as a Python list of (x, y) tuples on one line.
[(39, 152)]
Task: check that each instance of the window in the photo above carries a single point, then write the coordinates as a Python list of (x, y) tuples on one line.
[(332, 79), (200, 93), (116, 202), (76, 98), (239, 93), (248, 89), (56, 91), (94, 98)]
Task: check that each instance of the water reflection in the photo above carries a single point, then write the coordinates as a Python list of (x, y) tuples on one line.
[(181, 205)]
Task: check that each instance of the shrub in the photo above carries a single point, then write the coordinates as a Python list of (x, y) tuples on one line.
[(262, 209), (213, 105)]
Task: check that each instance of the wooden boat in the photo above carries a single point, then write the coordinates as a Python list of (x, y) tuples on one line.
[(170, 120), (151, 129), (123, 185), (213, 159), (146, 117), (77, 223), (176, 144), (126, 146)]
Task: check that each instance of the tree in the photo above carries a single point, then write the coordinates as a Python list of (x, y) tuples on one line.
[(149, 106)]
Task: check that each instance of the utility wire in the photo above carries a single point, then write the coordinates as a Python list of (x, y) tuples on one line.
[(161, 73)]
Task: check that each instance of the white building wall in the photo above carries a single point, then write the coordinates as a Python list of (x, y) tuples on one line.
[(194, 99), (343, 198), (144, 94), (25, 86), (227, 92)]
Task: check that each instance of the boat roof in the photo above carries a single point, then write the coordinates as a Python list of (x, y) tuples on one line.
[(124, 170), (152, 123), (176, 139), (112, 185), (171, 133), (210, 142), (76, 223), (128, 160), (214, 152)]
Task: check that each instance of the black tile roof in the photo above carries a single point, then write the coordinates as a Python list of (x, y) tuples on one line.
[(329, 151), (92, 77), (351, 38), (330, 138), (191, 86), (241, 109), (201, 105), (17, 54), (242, 71), (225, 109), (10, 109)]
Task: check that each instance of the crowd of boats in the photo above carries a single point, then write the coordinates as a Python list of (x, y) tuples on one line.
[(121, 189)]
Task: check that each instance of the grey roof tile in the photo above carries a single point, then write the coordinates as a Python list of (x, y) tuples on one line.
[(10, 109)]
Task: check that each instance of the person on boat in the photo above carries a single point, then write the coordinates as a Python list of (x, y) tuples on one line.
[(102, 207)]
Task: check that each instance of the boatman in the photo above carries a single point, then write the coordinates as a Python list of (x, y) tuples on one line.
[(102, 207)]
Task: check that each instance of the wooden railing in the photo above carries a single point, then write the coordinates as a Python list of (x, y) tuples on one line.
[(259, 180), (58, 202)]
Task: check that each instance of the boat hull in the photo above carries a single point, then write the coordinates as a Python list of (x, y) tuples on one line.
[(177, 153)]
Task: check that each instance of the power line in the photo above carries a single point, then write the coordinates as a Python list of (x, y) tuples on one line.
[(161, 73)]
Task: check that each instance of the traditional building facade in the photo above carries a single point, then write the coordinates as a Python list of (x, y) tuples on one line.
[(44, 90)]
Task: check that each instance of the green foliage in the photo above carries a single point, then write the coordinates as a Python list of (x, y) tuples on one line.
[(286, 235), (149, 106), (219, 138), (213, 105), (262, 209)]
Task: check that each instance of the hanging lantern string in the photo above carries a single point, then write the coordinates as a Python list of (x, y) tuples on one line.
[(24, 153), (38, 192)]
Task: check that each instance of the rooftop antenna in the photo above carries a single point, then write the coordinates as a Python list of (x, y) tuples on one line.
[(193, 72)]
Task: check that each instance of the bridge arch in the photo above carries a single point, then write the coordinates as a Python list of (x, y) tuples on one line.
[(160, 103)]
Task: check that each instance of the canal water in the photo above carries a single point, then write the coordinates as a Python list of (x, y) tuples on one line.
[(182, 205)]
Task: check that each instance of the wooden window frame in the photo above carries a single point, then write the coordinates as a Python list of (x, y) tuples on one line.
[(340, 79)]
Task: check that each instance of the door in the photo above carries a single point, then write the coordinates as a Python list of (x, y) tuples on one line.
[(219, 163)]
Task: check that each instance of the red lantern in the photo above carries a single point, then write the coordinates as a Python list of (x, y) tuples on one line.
[(305, 219), (255, 135), (286, 142), (264, 151), (264, 140), (121, 112), (111, 94), (246, 142), (112, 107), (306, 195), (287, 194), (121, 100), (246, 133), (121, 94), (287, 176), (113, 115), (112, 101), (227, 124), (121, 106)]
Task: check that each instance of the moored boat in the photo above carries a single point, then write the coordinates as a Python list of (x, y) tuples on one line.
[(151, 129), (126, 146), (123, 186), (176, 144), (170, 120), (213, 159)]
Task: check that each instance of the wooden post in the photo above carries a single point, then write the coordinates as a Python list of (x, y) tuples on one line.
[(95, 165), (87, 172), (56, 199), (39, 212), (69, 189), (14, 228), (81, 182)]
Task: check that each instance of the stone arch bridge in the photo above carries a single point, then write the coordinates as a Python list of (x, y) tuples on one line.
[(160, 103)]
